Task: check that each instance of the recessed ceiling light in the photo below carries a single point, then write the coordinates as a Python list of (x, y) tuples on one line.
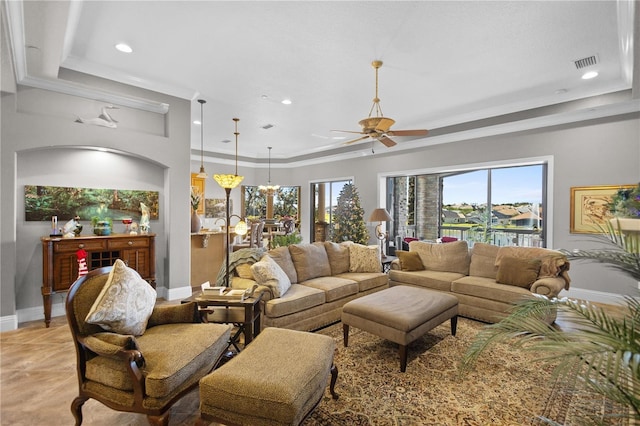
[(589, 75), (286, 101), (197, 122), (123, 47)]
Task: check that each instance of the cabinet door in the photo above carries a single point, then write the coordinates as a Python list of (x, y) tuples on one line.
[(138, 260), (65, 271)]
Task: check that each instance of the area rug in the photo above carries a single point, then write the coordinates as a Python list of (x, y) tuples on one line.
[(508, 386)]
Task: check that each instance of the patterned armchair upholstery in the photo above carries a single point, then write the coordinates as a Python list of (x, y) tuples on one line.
[(143, 374)]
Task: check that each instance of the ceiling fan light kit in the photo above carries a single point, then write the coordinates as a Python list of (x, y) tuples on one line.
[(378, 126)]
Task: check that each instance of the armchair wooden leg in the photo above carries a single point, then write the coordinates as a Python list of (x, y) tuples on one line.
[(161, 420), (76, 408), (334, 378)]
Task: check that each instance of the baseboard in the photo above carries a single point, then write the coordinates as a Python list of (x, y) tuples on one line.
[(593, 296), (8, 323), (177, 293)]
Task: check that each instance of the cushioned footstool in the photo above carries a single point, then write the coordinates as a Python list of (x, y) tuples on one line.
[(278, 379), (400, 314)]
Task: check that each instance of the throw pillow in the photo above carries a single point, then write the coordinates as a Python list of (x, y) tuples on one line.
[(310, 260), (268, 273), (518, 271), (125, 303), (244, 271), (483, 258), (449, 257), (338, 257), (409, 260), (364, 258), (282, 257)]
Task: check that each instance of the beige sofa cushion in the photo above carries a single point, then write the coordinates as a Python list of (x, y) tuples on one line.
[(298, 298), (367, 280), (334, 287), (310, 261), (517, 271), (338, 257), (483, 259), (283, 258), (447, 257)]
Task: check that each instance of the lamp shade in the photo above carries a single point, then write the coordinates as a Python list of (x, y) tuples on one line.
[(241, 228), (228, 181), (380, 215)]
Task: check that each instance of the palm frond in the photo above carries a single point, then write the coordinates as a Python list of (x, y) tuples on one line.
[(600, 350)]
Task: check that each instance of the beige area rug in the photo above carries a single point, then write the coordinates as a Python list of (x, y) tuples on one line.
[(507, 388)]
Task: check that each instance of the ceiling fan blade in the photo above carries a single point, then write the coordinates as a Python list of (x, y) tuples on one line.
[(384, 124), (387, 141), (356, 140), (347, 131), (420, 132)]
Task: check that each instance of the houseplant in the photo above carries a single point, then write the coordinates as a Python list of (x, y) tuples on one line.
[(600, 351), (196, 222)]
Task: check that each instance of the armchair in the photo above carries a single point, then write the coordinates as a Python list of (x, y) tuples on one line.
[(143, 374)]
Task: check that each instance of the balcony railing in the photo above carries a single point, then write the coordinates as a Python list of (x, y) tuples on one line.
[(496, 236)]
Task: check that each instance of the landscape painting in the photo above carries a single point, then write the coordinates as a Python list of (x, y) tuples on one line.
[(42, 202)]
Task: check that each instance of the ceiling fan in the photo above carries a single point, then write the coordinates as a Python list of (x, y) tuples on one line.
[(377, 126)]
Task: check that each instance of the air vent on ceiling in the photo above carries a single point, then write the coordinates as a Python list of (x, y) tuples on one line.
[(267, 126), (586, 62)]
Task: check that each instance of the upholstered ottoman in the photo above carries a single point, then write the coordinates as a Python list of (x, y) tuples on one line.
[(278, 379), (400, 314)]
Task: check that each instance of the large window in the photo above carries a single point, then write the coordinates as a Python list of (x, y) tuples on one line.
[(501, 205), (324, 198)]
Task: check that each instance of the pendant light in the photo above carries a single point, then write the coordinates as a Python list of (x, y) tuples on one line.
[(268, 186), (202, 173)]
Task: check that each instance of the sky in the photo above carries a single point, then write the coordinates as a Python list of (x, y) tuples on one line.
[(510, 185)]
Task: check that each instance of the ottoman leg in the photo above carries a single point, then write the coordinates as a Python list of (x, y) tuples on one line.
[(345, 333), (403, 358), (334, 378), (454, 325)]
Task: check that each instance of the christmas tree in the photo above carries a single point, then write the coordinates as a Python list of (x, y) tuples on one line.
[(348, 223)]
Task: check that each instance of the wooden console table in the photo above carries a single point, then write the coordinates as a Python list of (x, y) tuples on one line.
[(60, 264)]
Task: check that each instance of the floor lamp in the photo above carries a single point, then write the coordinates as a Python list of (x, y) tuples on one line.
[(380, 215), (228, 182)]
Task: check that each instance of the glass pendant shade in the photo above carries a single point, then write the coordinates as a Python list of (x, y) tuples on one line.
[(241, 228), (228, 181)]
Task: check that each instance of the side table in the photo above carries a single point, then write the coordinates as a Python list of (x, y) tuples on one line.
[(244, 314), (386, 263)]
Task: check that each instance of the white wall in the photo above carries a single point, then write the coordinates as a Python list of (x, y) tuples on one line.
[(605, 152), (38, 129)]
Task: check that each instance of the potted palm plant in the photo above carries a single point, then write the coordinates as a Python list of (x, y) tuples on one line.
[(600, 350)]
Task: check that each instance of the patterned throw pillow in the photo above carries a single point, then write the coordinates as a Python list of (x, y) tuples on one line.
[(268, 273), (125, 303), (364, 258)]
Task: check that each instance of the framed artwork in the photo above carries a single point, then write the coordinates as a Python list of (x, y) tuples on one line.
[(590, 207), (41, 202), (286, 202), (216, 207)]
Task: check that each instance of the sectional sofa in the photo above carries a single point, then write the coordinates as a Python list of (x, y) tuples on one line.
[(486, 279), (310, 283)]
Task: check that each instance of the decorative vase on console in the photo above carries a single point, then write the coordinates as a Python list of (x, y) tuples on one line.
[(625, 206), (196, 222)]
